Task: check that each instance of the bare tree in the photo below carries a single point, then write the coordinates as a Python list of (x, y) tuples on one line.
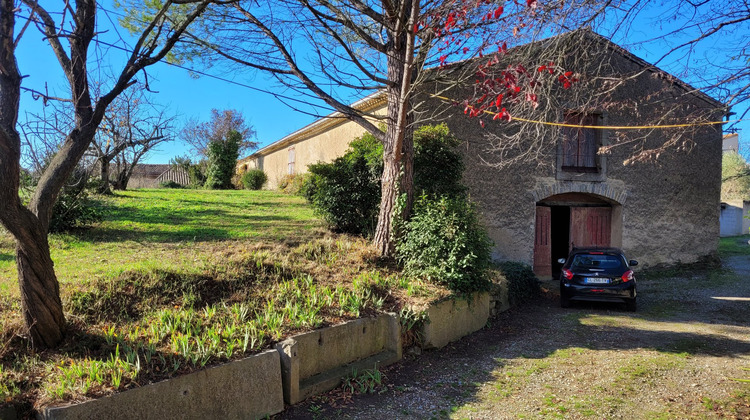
[(705, 42), (76, 27), (132, 127), (332, 50), (199, 134)]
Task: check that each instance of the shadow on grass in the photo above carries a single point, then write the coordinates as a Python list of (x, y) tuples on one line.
[(7, 257), (174, 228)]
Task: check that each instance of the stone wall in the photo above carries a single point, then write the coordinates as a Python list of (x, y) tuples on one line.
[(667, 209)]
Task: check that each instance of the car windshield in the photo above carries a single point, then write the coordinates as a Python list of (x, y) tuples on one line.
[(596, 261)]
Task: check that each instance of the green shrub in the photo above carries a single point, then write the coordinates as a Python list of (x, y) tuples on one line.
[(345, 194), (254, 179), (445, 243), (170, 184), (522, 283), (222, 161), (438, 166), (74, 208)]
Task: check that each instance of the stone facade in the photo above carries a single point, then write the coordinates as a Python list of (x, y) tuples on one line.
[(660, 212)]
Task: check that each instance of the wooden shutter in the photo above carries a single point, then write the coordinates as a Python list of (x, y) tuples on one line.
[(590, 226), (542, 243)]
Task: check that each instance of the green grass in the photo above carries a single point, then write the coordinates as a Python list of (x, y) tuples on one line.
[(169, 229), (175, 280), (734, 245)]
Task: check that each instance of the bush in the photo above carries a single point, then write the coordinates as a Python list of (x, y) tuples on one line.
[(170, 184), (438, 167), (222, 161), (254, 179), (346, 192), (445, 243), (522, 283), (73, 207)]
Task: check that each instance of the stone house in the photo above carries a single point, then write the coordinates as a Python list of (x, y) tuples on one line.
[(660, 212)]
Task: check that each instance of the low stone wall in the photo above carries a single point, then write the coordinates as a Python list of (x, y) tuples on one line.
[(452, 319), (499, 300), (245, 389), (316, 361)]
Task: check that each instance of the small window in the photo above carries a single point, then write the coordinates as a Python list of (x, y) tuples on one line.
[(580, 145), (290, 166)]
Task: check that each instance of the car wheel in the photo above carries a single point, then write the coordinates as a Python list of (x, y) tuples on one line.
[(631, 304), (564, 301)]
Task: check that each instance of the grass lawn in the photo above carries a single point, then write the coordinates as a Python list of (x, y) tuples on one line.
[(734, 245), (175, 280)]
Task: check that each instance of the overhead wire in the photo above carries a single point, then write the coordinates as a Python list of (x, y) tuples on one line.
[(282, 97)]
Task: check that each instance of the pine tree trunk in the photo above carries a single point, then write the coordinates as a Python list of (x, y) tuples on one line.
[(40, 290), (398, 148)]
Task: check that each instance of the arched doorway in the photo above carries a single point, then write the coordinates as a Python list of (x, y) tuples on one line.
[(568, 220)]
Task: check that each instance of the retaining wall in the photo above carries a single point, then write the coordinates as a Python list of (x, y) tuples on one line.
[(245, 389), (316, 361), (300, 366), (455, 318)]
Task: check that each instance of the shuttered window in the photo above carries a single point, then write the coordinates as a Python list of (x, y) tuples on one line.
[(290, 166), (580, 145)]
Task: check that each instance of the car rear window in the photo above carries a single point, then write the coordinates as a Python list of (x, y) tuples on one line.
[(596, 261)]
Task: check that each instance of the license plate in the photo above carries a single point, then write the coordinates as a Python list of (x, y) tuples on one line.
[(595, 280)]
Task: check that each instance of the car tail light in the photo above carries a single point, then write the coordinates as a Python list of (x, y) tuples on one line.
[(567, 274), (627, 276)]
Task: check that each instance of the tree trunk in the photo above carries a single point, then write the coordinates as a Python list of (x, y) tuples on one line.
[(40, 290), (104, 185), (398, 147)]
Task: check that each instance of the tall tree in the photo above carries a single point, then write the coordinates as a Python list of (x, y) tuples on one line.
[(217, 129), (312, 46), (71, 44)]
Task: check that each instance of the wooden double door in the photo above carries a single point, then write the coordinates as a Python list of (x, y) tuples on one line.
[(584, 227)]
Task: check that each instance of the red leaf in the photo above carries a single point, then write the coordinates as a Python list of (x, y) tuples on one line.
[(499, 100), (481, 122), (541, 68), (498, 12), (442, 59), (568, 73)]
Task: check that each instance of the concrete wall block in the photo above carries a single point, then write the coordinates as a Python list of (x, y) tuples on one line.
[(455, 318), (316, 361), (246, 389)]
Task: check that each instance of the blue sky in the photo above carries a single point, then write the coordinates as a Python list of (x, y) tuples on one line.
[(190, 97)]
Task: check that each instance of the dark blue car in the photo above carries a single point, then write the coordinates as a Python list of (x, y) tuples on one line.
[(597, 274)]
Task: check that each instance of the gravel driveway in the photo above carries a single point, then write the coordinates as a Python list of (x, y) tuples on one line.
[(678, 357)]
